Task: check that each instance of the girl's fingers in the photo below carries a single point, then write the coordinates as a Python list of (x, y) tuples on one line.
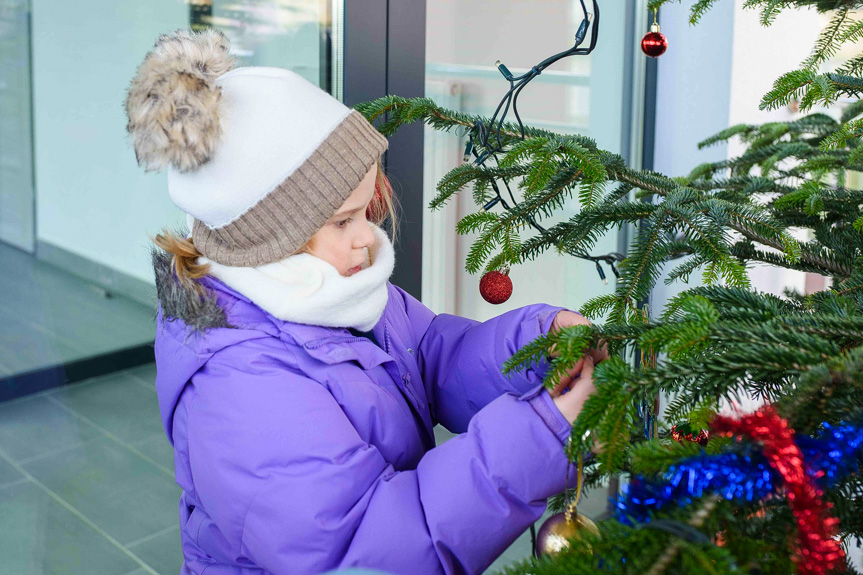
[(599, 353), (571, 403), (566, 380), (587, 370)]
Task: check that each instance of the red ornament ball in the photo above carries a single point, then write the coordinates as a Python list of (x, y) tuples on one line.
[(654, 43), (495, 287)]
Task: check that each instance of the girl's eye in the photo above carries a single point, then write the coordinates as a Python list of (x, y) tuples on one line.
[(342, 223)]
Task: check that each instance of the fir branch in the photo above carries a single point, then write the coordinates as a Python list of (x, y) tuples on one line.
[(725, 135), (839, 138), (746, 251), (641, 268), (831, 37), (698, 518), (649, 181), (657, 455), (457, 178)]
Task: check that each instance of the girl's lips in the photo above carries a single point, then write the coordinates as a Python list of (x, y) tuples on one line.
[(355, 270)]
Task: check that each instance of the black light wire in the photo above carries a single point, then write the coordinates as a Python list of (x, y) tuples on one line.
[(481, 134)]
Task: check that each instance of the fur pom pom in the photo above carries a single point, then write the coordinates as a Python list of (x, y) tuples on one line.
[(172, 105)]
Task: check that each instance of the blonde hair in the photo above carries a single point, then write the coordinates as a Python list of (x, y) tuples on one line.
[(185, 254)]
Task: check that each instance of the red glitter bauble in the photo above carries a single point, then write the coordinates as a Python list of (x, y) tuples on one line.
[(654, 43), (495, 287)]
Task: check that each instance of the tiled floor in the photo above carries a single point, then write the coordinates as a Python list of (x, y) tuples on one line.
[(87, 482), (48, 316)]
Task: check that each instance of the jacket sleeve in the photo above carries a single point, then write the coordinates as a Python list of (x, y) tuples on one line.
[(278, 464), (460, 359)]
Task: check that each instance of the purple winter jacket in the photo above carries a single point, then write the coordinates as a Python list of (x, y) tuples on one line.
[(301, 449)]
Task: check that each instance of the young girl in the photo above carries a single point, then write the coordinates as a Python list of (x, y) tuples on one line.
[(297, 385)]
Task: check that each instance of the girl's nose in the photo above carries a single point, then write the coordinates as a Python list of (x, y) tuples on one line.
[(367, 236)]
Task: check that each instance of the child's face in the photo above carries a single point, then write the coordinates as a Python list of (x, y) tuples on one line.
[(343, 240)]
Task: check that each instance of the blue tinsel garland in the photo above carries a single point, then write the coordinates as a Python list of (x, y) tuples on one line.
[(829, 456)]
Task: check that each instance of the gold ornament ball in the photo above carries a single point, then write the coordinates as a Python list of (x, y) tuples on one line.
[(554, 534)]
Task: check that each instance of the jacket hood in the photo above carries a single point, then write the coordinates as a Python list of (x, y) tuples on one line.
[(191, 326)]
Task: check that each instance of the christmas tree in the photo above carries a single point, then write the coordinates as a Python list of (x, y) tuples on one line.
[(777, 491)]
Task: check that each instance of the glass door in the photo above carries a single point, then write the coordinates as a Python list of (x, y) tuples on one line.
[(16, 164), (76, 202), (293, 34)]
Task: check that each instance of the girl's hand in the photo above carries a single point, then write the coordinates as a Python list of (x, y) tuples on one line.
[(580, 388), (566, 318)]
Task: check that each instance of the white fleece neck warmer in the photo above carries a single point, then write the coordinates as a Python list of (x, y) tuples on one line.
[(306, 289)]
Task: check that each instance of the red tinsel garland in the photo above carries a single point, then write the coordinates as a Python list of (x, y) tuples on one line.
[(817, 552)]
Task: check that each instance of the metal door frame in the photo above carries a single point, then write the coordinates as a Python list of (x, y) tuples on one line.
[(384, 53)]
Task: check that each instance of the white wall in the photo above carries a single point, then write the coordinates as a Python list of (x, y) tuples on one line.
[(692, 101), (16, 168), (713, 76), (693, 88), (760, 55)]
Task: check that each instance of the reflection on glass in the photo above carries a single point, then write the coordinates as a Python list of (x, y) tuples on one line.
[(284, 33)]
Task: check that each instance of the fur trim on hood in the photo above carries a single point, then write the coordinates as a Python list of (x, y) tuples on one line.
[(198, 311)]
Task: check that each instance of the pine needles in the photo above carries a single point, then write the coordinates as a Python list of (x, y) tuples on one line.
[(718, 342)]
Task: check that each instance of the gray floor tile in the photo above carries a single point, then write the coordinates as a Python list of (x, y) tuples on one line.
[(34, 425), (441, 435), (157, 448), (120, 492), (8, 474), (39, 536), (144, 374), (24, 348), (18, 320), (101, 328), (164, 552), (116, 403)]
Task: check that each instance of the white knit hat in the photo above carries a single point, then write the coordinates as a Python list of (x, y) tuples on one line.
[(260, 157)]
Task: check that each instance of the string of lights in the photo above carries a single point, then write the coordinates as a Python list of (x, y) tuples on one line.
[(481, 134)]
